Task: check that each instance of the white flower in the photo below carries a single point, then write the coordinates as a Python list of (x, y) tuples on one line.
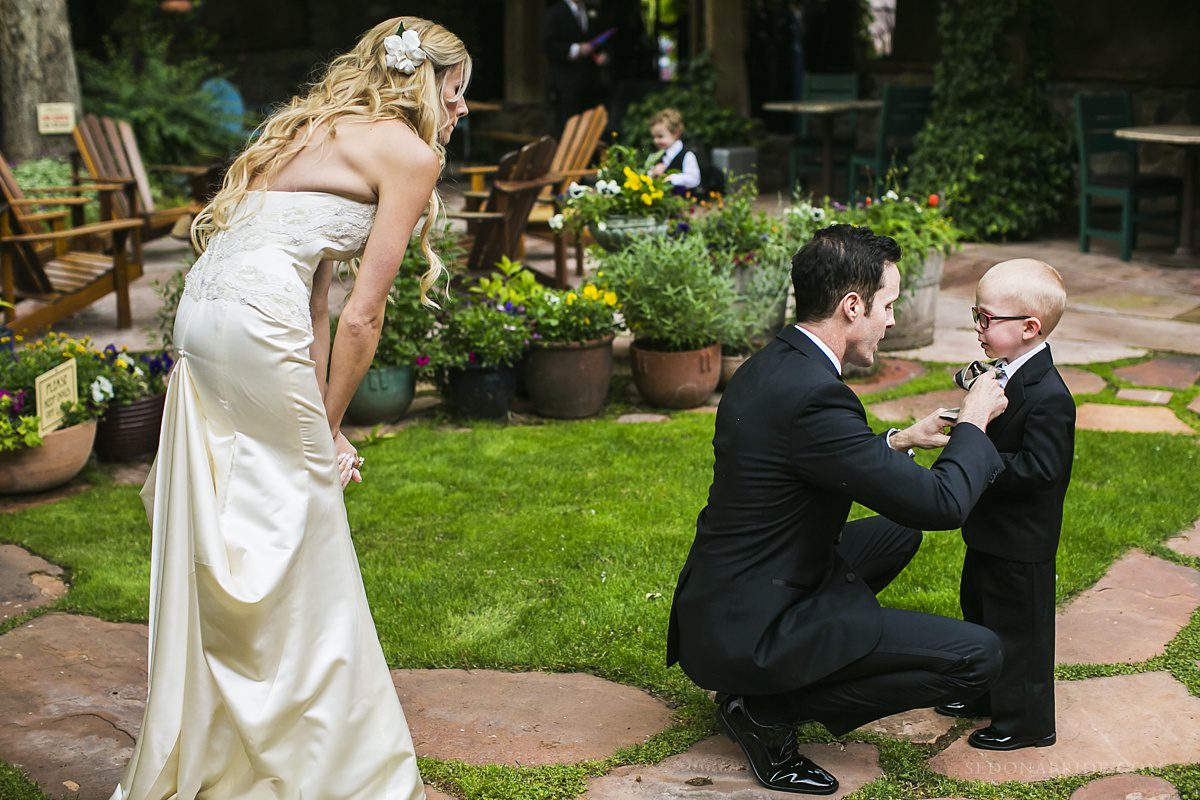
[(576, 190), (137, 371), (556, 222), (891, 195), (602, 225), (124, 359), (818, 214), (102, 389), (608, 187), (404, 52)]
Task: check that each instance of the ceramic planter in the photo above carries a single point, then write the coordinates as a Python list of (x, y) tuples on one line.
[(569, 380), (383, 396), (670, 379), (917, 308), (481, 392), (729, 365), (130, 431), (737, 163), (60, 458), (619, 231)]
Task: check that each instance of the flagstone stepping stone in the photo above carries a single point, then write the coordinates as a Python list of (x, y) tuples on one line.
[(716, 768), (72, 702), (918, 405), (634, 419), (1176, 372), (919, 726), (1115, 724), (1128, 419), (1156, 396), (1130, 614), (1194, 406), (892, 372), (1188, 542), (524, 718), (27, 581), (1127, 787), (1081, 381)]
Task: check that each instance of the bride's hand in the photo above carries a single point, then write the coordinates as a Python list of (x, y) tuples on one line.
[(347, 458)]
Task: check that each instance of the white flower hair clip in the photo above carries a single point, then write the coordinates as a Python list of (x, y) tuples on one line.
[(404, 50)]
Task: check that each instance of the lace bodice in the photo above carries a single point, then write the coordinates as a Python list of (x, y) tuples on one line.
[(267, 256)]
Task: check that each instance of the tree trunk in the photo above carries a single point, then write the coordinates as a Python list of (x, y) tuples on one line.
[(37, 65)]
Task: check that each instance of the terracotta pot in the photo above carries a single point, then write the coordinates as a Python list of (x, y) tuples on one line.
[(175, 6), (917, 308), (383, 396), (129, 432), (481, 392), (676, 379), (569, 380), (729, 365), (60, 458)]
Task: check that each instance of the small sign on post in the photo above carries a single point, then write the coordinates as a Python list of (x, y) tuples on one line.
[(51, 389), (56, 118)]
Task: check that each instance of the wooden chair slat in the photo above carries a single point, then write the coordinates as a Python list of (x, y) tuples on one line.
[(133, 156)]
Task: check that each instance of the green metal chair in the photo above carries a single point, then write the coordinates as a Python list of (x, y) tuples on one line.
[(905, 109), (1096, 117), (805, 154)]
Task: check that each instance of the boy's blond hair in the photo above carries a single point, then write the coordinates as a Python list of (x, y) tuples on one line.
[(1033, 286), (669, 117)]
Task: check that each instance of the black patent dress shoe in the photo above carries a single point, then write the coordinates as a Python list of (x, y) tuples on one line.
[(961, 710), (990, 739), (771, 751)]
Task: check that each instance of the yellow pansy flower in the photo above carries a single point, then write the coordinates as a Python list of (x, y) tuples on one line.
[(590, 292), (646, 199), (610, 298), (571, 298), (632, 181)]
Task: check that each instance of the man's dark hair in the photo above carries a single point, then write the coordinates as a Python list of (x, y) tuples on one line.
[(840, 259)]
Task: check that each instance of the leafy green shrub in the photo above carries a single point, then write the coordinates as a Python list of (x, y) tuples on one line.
[(993, 146), (176, 121), (671, 296), (694, 95)]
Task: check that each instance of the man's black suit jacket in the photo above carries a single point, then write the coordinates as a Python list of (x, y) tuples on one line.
[(560, 29), (1019, 518), (764, 603)]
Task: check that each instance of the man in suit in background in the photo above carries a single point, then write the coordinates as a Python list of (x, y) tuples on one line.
[(775, 607), (574, 64)]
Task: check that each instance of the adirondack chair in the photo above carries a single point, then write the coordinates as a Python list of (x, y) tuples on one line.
[(40, 265), (500, 222), (581, 137), (109, 152)]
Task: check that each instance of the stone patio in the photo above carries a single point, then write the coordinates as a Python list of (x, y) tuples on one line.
[(27, 582), (1129, 419)]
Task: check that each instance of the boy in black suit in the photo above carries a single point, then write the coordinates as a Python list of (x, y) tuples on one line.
[(1012, 533)]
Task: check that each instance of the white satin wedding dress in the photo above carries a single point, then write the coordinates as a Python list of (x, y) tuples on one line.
[(267, 680)]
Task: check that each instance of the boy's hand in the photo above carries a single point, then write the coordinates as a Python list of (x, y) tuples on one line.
[(926, 434), (658, 170), (983, 403)]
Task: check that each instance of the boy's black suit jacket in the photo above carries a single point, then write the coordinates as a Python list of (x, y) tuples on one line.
[(1020, 516), (764, 603)]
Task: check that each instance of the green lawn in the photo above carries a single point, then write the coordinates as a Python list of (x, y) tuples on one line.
[(556, 546)]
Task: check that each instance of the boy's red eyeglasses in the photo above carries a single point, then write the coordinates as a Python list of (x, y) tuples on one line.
[(985, 319)]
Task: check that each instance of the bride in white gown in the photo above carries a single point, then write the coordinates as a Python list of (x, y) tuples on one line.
[(267, 680)]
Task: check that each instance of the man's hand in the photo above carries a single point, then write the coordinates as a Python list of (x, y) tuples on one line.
[(983, 403), (926, 434), (585, 49)]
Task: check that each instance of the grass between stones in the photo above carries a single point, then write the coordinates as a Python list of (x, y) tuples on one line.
[(556, 546)]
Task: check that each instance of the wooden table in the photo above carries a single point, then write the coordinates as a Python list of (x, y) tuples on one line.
[(1187, 137), (825, 110)]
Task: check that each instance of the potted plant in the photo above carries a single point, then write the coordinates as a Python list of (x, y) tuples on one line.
[(626, 202), (477, 344), (568, 367), (137, 389), (676, 305), (925, 235), (30, 462)]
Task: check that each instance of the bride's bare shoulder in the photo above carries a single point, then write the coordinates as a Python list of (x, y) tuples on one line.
[(386, 143)]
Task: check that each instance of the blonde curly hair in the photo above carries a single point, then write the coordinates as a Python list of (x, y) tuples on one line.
[(357, 85)]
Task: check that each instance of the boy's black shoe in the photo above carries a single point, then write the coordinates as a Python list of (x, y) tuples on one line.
[(990, 739), (771, 751), (957, 709)]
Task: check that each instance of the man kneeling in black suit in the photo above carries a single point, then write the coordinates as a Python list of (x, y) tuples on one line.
[(775, 607)]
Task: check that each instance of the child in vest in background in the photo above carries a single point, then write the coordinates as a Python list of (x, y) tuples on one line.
[(673, 159)]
